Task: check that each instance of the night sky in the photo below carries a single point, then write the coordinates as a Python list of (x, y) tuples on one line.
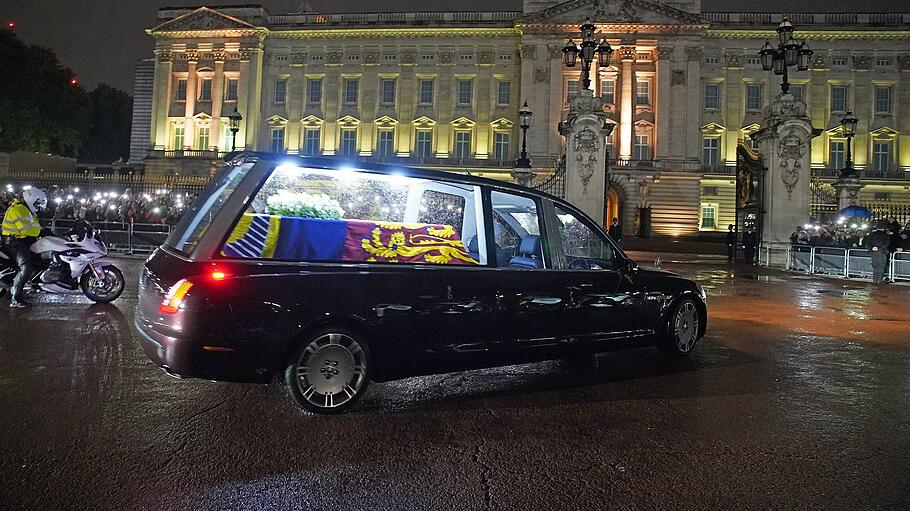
[(102, 39)]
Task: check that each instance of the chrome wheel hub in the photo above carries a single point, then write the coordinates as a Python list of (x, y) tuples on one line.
[(686, 327), (331, 370)]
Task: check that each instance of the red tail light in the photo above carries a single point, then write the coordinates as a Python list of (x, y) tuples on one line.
[(173, 300)]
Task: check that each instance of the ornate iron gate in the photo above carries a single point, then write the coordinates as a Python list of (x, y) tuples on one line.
[(750, 172)]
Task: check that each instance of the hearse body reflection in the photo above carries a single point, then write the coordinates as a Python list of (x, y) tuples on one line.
[(331, 276)]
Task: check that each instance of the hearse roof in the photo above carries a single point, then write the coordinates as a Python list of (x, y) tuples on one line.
[(333, 163)]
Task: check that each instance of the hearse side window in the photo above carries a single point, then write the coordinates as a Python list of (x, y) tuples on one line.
[(516, 225), (346, 215), (584, 248)]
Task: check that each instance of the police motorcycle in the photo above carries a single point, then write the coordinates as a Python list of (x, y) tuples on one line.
[(70, 264)]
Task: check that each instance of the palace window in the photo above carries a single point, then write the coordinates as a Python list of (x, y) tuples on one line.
[(427, 58), (709, 216), (753, 97), (884, 62), (838, 98), (712, 60), (311, 142), (712, 96), (710, 150), (424, 145), (465, 92), (277, 140), (349, 141), (227, 138), (354, 57), (836, 154), (178, 137), (642, 92), (796, 91), (881, 155), (281, 88), (466, 57), (388, 91), (753, 61), (351, 89), (314, 91), (390, 58), (462, 144), (642, 148), (230, 90), (607, 91), (504, 93), (426, 91), (180, 92), (882, 100), (572, 87), (505, 57), (202, 141), (205, 91), (709, 191), (839, 61), (384, 144), (501, 146), (316, 59)]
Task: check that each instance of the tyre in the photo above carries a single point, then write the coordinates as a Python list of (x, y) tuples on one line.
[(681, 330), (103, 291), (329, 372)]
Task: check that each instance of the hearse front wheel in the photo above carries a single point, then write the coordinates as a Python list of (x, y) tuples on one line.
[(681, 329), (329, 372)]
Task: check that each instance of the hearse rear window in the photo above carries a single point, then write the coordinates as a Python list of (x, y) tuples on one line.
[(303, 214), (196, 221)]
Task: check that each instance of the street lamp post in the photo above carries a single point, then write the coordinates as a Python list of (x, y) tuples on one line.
[(789, 52), (848, 125), (588, 50), (235, 119), (524, 121)]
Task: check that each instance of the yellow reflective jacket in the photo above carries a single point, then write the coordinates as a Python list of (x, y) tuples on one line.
[(20, 222)]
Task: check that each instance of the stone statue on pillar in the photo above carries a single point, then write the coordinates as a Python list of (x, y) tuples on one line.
[(785, 137), (586, 130)]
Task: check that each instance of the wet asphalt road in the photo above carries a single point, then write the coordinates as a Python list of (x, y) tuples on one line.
[(798, 398)]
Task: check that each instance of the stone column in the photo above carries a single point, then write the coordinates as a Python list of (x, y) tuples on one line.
[(216, 130), (627, 54), (847, 191), (662, 111), (693, 103), (189, 133), (586, 153), (161, 101), (785, 138)]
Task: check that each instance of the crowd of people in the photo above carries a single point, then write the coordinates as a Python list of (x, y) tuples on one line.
[(848, 233), (73, 202)]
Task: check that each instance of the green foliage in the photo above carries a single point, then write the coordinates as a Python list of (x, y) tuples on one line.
[(304, 205), (40, 110), (108, 139)]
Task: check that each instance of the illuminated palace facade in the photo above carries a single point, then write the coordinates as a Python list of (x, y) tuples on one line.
[(442, 90)]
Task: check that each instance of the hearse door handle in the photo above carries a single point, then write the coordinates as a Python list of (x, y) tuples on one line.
[(499, 297)]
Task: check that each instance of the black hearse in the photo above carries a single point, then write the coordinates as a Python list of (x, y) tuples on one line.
[(331, 275)]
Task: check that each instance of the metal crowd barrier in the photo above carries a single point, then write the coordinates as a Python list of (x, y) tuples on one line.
[(900, 266), (122, 237), (845, 262)]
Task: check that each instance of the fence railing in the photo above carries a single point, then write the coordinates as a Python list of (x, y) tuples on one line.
[(121, 237), (844, 262), (108, 181)]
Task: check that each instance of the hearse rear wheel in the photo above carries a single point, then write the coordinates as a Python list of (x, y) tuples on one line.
[(681, 330), (330, 371)]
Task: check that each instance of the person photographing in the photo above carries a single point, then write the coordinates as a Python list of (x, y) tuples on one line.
[(20, 229)]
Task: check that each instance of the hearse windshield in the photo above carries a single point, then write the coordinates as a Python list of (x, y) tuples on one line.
[(199, 217), (348, 215)]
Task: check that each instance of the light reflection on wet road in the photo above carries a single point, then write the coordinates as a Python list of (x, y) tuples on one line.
[(798, 398)]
